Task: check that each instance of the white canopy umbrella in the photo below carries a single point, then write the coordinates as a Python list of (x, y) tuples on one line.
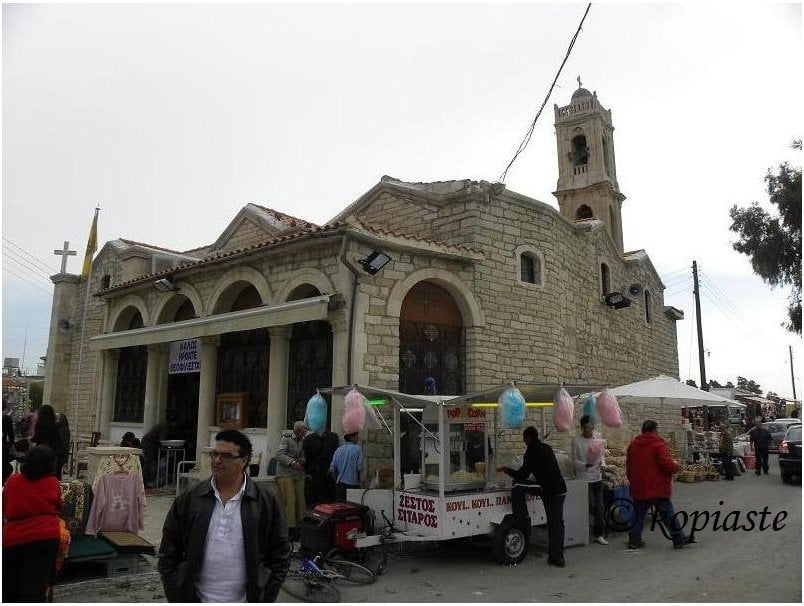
[(668, 391)]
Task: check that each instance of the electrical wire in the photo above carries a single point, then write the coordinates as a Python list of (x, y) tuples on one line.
[(25, 279), (718, 291), (9, 255), (526, 140), (44, 266), (668, 274)]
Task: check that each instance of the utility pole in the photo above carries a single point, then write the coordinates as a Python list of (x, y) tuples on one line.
[(792, 377), (697, 293)]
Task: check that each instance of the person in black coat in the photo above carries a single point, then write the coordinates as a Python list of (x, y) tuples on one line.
[(318, 449), (761, 440), (47, 431), (8, 441), (204, 555), (540, 462), (63, 454)]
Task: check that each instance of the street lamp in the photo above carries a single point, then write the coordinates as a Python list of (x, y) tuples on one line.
[(374, 262)]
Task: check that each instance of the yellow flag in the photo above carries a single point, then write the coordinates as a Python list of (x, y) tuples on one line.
[(92, 246)]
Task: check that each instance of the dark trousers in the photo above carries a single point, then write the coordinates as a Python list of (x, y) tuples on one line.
[(340, 490), (28, 569), (553, 509), (762, 461), (665, 515), (596, 506), (728, 466)]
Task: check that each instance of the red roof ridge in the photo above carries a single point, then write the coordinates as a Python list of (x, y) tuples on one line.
[(284, 217)]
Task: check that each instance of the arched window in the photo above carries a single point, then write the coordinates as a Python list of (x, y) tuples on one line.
[(605, 279), (648, 308), (530, 268), (583, 212), (580, 152)]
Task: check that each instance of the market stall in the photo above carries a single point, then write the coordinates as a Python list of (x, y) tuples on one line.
[(459, 495)]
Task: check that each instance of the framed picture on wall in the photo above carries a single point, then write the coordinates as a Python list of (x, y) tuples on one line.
[(232, 410)]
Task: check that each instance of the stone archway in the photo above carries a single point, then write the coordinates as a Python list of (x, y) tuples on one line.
[(129, 400), (309, 359), (243, 356), (432, 341)]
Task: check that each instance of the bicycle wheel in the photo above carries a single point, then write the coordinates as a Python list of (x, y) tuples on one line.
[(352, 572), (310, 589)]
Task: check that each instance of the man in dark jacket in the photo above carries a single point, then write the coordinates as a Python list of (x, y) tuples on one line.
[(761, 440), (540, 461), (650, 466), (225, 539)]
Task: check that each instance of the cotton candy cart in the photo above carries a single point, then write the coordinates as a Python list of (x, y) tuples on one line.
[(457, 497)]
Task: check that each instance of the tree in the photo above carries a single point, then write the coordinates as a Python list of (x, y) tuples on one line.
[(35, 391), (729, 384), (749, 385), (715, 384), (692, 382), (773, 243)]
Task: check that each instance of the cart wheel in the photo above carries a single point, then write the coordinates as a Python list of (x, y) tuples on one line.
[(510, 541)]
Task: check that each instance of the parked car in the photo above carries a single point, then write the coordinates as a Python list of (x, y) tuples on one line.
[(777, 431), (790, 454)]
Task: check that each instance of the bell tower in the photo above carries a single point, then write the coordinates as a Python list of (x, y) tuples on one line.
[(587, 175)]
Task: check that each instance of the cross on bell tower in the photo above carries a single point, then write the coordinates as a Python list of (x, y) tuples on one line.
[(64, 252), (587, 174)]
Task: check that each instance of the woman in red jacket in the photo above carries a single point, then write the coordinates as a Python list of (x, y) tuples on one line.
[(650, 466), (31, 507)]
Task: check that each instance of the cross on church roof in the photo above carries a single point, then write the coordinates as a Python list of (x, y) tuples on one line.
[(64, 253)]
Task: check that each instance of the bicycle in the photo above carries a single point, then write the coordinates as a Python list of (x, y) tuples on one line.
[(314, 580), (311, 583)]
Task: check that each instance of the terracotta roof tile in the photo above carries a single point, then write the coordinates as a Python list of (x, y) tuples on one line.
[(288, 220), (308, 230)]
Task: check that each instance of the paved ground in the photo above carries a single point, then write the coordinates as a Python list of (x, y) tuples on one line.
[(725, 566)]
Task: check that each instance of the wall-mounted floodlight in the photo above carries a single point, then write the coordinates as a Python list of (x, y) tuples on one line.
[(617, 300), (374, 262), (164, 285)]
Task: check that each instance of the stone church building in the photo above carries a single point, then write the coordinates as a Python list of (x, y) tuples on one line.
[(482, 285)]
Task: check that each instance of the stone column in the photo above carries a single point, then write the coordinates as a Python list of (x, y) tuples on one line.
[(153, 376), (206, 392), (277, 387), (164, 377), (64, 331), (110, 358), (340, 353)]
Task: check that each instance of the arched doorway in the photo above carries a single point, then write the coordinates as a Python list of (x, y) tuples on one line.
[(129, 398), (243, 359), (183, 388), (309, 360), (431, 342)]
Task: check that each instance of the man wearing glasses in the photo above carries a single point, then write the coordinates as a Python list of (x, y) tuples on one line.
[(225, 539)]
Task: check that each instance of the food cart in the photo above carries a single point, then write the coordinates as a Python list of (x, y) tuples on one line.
[(454, 499)]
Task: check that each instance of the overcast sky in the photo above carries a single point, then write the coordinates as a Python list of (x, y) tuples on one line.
[(174, 117)]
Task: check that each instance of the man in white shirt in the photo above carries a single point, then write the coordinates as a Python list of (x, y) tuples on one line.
[(225, 539), (587, 465)]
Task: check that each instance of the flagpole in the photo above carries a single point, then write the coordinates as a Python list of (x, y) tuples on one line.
[(90, 252)]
